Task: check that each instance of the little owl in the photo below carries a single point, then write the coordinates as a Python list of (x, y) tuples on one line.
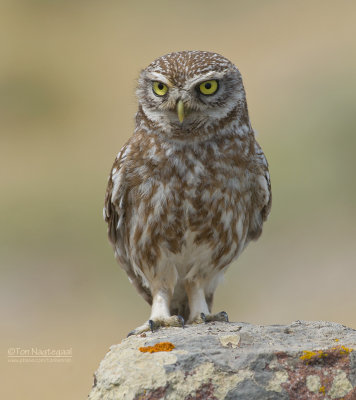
[(189, 189)]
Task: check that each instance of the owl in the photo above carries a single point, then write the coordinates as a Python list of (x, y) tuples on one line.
[(189, 190)]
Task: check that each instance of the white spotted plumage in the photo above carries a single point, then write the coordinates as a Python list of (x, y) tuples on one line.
[(185, 198)]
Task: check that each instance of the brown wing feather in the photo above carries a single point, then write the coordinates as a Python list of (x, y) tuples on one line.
[(263, 194), (114, 215)]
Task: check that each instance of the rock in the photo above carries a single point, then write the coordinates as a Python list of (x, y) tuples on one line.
[(304, 360)]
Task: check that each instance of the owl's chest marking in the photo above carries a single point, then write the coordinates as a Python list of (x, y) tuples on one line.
[(190, 207)]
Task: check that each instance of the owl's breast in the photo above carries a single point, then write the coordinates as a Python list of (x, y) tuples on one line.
[(193, 213)]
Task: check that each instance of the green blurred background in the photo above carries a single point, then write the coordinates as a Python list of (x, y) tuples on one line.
[(68, 71)]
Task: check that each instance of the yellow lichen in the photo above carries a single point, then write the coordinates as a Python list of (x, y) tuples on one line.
[(345, 350), (313, 355), (163, 346), (322, 389), (308, 355)]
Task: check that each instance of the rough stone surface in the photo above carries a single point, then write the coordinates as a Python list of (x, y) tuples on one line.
[(301, 361)]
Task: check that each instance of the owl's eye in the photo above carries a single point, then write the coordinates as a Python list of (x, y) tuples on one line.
[(209, 87), (159, 88)]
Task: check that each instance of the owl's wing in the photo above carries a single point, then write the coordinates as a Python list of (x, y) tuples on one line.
[(116, 203), (262, 194), (265, 174)]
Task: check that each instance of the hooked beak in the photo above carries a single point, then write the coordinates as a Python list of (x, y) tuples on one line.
[(180, 111)]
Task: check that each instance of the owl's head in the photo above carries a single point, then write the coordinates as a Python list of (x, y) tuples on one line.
[(191, 93)]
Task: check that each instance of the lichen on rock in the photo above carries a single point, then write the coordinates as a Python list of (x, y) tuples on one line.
[(232, 361), (163, 346)]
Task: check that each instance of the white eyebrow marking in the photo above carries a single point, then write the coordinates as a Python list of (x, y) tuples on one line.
[(156, 76)]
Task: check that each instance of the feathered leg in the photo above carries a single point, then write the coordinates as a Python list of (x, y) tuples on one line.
[(160, 315), (199, 309)]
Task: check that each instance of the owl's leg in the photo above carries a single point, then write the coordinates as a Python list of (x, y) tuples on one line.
[(160, 315), (197, 303), (199, 309)]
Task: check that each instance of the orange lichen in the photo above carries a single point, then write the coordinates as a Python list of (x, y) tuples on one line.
[(163, 346)]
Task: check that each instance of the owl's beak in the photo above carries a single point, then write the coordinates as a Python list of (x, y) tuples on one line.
[(180, 111)]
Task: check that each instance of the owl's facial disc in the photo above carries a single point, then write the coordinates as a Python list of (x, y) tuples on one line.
[(182, 104)]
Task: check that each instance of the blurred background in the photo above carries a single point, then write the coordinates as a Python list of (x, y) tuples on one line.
[(68, 72)]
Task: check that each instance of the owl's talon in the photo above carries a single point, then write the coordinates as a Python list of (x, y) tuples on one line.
[(151, 325), (224, 315), (131, 333), (206, 318), (219, 317), (200, 319), (146, 327), (181, 320)]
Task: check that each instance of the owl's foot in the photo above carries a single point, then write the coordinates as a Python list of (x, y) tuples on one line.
[(200, 319), (154, 324), (219, 317), (205, 318)]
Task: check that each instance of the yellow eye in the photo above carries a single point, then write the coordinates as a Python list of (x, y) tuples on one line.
[(209, 87), (159, 88)]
